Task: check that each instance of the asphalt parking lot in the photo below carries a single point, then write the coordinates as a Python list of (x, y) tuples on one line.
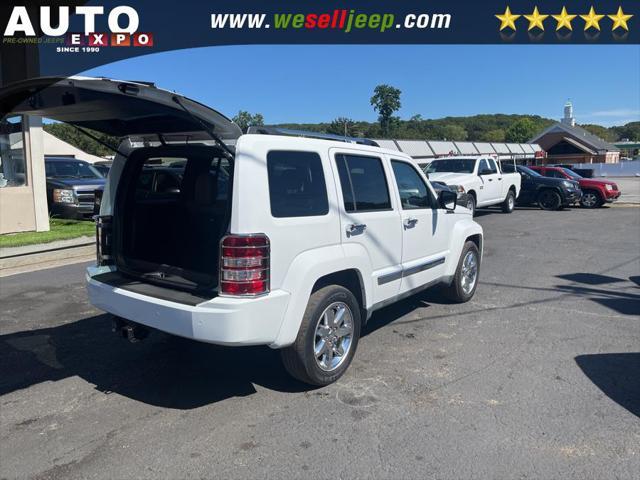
[(537, 377)]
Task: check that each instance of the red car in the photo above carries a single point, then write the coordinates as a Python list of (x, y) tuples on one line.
[(595, 192)]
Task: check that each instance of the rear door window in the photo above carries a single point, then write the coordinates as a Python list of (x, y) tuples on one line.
[(297, 186), (363, 182), (492, 166)]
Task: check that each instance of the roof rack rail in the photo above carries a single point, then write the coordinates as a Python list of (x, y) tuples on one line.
[(268, 130)]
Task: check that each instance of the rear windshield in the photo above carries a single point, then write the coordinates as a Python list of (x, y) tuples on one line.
[(458, 165), (162, 177)]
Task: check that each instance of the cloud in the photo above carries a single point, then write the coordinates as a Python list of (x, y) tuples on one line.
[(610, 118), (619, 112)]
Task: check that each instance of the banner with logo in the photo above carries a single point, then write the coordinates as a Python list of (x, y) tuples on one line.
[(63, 38)]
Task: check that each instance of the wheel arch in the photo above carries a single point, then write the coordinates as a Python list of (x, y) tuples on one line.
[(463, 231), (351, 279), (313, 269)]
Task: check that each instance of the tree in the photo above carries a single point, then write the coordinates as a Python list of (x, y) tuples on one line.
[(342, 126), (245, 120), (496, 135), (601, 132), (521, 131), (453, 132), (385, 101)]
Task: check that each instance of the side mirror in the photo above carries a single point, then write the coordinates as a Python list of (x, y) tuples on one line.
[(485, 171), (447, 200)]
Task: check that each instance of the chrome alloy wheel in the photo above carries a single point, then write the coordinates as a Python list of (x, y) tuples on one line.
[(511, 202), (334, 335), (589, 199), (469, 272)]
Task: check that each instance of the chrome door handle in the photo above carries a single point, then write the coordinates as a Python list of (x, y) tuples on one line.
[(356, 228), (410, 222)]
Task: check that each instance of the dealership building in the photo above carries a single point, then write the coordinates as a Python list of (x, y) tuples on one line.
[(567, 143)]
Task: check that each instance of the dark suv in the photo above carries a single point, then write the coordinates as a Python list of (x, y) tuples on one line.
[(71, 186), (548, 193)]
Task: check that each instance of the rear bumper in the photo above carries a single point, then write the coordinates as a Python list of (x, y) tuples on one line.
[(222, 320)]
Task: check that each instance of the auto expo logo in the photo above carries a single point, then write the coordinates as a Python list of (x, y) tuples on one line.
[(123, 22)]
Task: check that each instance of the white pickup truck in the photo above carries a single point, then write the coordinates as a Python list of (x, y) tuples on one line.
[(483, 180), (270, 238)]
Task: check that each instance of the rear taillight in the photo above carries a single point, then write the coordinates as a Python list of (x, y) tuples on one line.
[(103, 240), (244, 265)]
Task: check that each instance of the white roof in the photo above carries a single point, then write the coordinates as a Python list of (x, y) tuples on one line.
[(442, 147), (500, 148), (515, 148), (466, 148), (484, 148), (415, 148), (388, 144)]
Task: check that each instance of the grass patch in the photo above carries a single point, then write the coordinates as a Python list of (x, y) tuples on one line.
[(61, 229)]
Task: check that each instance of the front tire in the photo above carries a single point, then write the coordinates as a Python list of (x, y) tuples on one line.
[(549, 200), (471, 204), (591, 199), (509, 203), (465, 280), (327, 339)]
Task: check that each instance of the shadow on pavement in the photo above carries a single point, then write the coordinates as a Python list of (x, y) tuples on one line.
[(590, 278), (617, 300), (616, 374), (163, 370)]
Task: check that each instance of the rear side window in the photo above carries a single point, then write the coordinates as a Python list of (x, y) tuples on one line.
[(507, 167), (296, 184), (363, 182)]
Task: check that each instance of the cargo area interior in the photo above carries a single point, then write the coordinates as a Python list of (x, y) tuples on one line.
[(171, 211)]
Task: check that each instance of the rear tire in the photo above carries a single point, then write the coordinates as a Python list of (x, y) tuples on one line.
[(331, 324), (549, 200), (591, 199), (509, 203), (465, 280)]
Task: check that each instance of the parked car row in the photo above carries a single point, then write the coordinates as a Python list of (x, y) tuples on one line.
[(485, 181), (595, 192)]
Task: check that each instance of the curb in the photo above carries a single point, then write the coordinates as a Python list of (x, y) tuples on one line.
[(46, 255), (13, 252)]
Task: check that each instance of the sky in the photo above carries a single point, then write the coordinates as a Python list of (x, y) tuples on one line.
[(306, 84)]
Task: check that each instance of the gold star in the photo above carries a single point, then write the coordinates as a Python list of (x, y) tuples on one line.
[(592, 20), (620, 19), (535, 19), (507, 19), (564, 19)]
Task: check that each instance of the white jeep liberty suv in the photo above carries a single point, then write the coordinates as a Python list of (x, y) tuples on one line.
[(290, 240)]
